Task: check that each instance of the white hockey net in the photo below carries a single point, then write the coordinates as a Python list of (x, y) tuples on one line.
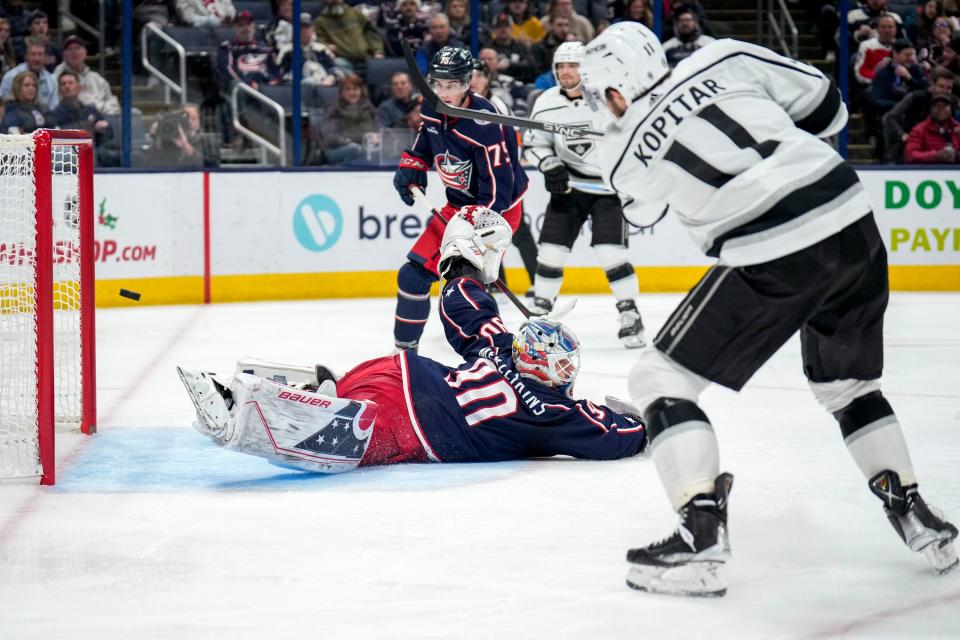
[(19, 452), (22, 328), (66, 286)]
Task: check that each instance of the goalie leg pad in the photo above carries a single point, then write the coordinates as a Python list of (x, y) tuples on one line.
[(288, 374), (299, 428)]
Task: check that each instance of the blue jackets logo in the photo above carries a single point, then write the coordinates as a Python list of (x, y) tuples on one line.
[(317, 222)]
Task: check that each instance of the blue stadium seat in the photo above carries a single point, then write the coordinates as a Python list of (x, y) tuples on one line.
[(324, 96), (379, 71), (313, 7), (260, 9), (192, 39), (282, 93)]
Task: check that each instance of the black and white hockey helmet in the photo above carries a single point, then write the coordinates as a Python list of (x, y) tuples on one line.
[(451, 63)]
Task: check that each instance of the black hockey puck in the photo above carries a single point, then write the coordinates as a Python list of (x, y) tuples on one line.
[(126, 293)]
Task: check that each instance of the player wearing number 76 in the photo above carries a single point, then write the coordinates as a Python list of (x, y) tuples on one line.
[(512, 398)]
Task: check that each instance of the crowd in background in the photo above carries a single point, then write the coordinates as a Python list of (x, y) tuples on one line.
[(903, 65)]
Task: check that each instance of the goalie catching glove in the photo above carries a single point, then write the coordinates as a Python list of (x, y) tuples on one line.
[(478, 237)]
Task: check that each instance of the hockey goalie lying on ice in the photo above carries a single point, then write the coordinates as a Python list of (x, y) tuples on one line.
[(512, 398)]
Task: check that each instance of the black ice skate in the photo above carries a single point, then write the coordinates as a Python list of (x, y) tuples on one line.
[(922, 527), (541, 306), (689, 562), (631, 326)]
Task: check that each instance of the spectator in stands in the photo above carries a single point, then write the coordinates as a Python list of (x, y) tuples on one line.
[(179, 142), (873, 50), (348, 33), (413, 119), (18, 14), (48, 95), (526, 26), (580, 27), (408, 26), (688, 37), (73, 113), (206, 13), (392, 112), (347, 122), (480, 84), (24, 113), (864, 21), (515, 56), (244, 59), (511, 91), (920, 31), (279, 31), (936, 139), (543, 50), (94, 88), (912, 110), (440, 36), (895, 77), (319, 65), (458, 14), (637, 11), (934, 48), (39, 27), (8, 59)]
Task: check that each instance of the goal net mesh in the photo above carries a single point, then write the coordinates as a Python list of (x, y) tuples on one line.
[(19, 452)]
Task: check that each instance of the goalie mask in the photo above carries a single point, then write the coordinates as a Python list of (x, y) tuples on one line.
[(478, 235), (548, 352)]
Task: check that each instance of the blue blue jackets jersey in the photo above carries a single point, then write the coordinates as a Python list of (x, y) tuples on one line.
[(477, 162), (483, 411)]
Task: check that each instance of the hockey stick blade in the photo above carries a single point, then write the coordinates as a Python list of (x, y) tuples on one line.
[(438, 105), (422, 200)]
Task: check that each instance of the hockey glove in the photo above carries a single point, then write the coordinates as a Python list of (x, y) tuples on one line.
[(411, 170), (555, 176)]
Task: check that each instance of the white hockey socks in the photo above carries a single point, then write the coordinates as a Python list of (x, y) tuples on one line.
[(874, 438), (684, 449), (549, 278)]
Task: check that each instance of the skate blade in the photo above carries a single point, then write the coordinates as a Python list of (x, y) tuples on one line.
[(942, 557), (634, 342), (696, 579)]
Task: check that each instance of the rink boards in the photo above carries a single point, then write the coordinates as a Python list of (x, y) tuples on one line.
[(255, 235)]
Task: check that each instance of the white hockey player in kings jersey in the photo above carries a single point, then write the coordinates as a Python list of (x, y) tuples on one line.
[(730, 143), (571, 173)]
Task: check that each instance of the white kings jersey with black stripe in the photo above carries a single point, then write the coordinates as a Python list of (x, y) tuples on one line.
[(731, 144), (578, 153)]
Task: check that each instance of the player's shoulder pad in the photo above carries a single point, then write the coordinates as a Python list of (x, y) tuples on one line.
[(478, 103), (715, 52), (473, 291), (549, 99)]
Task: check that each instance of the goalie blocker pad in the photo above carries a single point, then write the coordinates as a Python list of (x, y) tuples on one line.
[(298, 428)]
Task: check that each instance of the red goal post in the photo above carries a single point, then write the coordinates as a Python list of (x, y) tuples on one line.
[(47, 329)]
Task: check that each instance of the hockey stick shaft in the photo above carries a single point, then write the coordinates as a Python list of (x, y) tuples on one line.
[(421, 198), (438, 105)]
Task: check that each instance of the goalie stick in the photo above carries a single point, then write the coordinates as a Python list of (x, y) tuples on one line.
[(438, 105)]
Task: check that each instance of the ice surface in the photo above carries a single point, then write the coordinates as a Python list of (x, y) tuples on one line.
[(153, 532)]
